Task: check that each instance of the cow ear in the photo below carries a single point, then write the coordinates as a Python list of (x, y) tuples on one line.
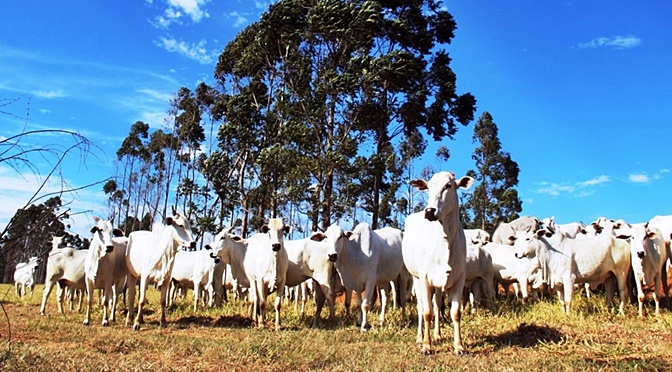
[(348, 234), (465, 182), (540, 233), (208, 247), (419, 184), (94, 229), (288, 229), (236, 238), (264, 229), (168, 221), (118, 233), (318, 237), (651, 235)]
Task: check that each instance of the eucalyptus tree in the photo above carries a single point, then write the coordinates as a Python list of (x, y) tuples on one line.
[(408, 87), (495, 196)]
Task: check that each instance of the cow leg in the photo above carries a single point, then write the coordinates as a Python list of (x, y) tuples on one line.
[(383, 304), (107, 297), (113, 300), (164, 297), (304, 298), (48, 286), (79, 304), (363, 304), (197, 290), (89, 301), (455, 315), (437, 304), (658, 288), (278, 305), (142, 300), (522, 288), (348, 301), (424, 294), (131, 282)]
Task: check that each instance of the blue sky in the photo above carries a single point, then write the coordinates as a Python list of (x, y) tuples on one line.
[(580, 90)]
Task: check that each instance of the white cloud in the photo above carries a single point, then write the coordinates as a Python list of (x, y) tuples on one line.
[(179, 9), (579, 189), (239, 19), (639, 178), (614, 42), (44, 111), (48, 94), (595, 181), (194, 51)]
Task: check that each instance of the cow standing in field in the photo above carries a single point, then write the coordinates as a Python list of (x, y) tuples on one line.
[(196, 270), (507, 269), (150, 257), (365, 259), (265, 265), (24, 276), (479, 277), (564, 260), (435, 253), (104, 259), (65, 267), (649, 256), (309, 259), (505, 232)]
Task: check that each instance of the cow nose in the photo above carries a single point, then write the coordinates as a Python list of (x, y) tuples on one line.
[(430, 214), (217, 260), (192, 245), (109, 248), (276, 247), (333, 257), (518, 255), (640, 254)]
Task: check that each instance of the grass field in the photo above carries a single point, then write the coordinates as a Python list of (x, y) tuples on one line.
[(512, 337)]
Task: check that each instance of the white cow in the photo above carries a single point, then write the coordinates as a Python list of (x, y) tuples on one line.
[(477, 236), (593, 261), (65, 267), (649, 256), (150, 257), (100, 265), (196, 270), (24, 276), (479, 275), (571, 230), (437, 257), (508, 269), (265, 265), (365, 259), (505, 232), (309, 259)]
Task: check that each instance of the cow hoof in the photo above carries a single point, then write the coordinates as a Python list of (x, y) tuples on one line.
[(136, 327), (461, 352), (427, 351), (105, 323), (86, 323)]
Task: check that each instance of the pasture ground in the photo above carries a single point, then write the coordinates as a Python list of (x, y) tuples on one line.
[(511, 337)]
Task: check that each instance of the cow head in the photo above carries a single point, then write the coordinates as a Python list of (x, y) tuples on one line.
[(527, 243), (216, 248), (57, 242), (276, 230), (181, 226), (102, 235), (335, 238), (442, 190)]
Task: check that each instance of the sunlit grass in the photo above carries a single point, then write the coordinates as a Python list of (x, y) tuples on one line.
[(511, 336)]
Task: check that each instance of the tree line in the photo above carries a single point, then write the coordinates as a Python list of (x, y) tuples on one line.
[(319, 111)]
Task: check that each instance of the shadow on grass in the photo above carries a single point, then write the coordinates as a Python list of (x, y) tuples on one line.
[(525, 336), (233, 321)]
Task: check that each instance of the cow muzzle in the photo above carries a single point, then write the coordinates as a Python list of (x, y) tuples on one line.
[(519, 255), (192, 245), (640, 254), (215, 258), (430, 214), (276, 247), (109, 248), (333, 257)]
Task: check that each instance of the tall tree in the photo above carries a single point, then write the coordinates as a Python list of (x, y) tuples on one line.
[(497, 174), (330, 76)]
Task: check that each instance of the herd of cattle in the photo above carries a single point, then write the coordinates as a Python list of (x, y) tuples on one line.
[(434, 258)]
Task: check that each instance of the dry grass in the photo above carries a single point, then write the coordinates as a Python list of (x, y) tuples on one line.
[(511, 337)]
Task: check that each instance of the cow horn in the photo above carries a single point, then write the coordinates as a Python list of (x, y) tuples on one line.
[(174, 210)]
